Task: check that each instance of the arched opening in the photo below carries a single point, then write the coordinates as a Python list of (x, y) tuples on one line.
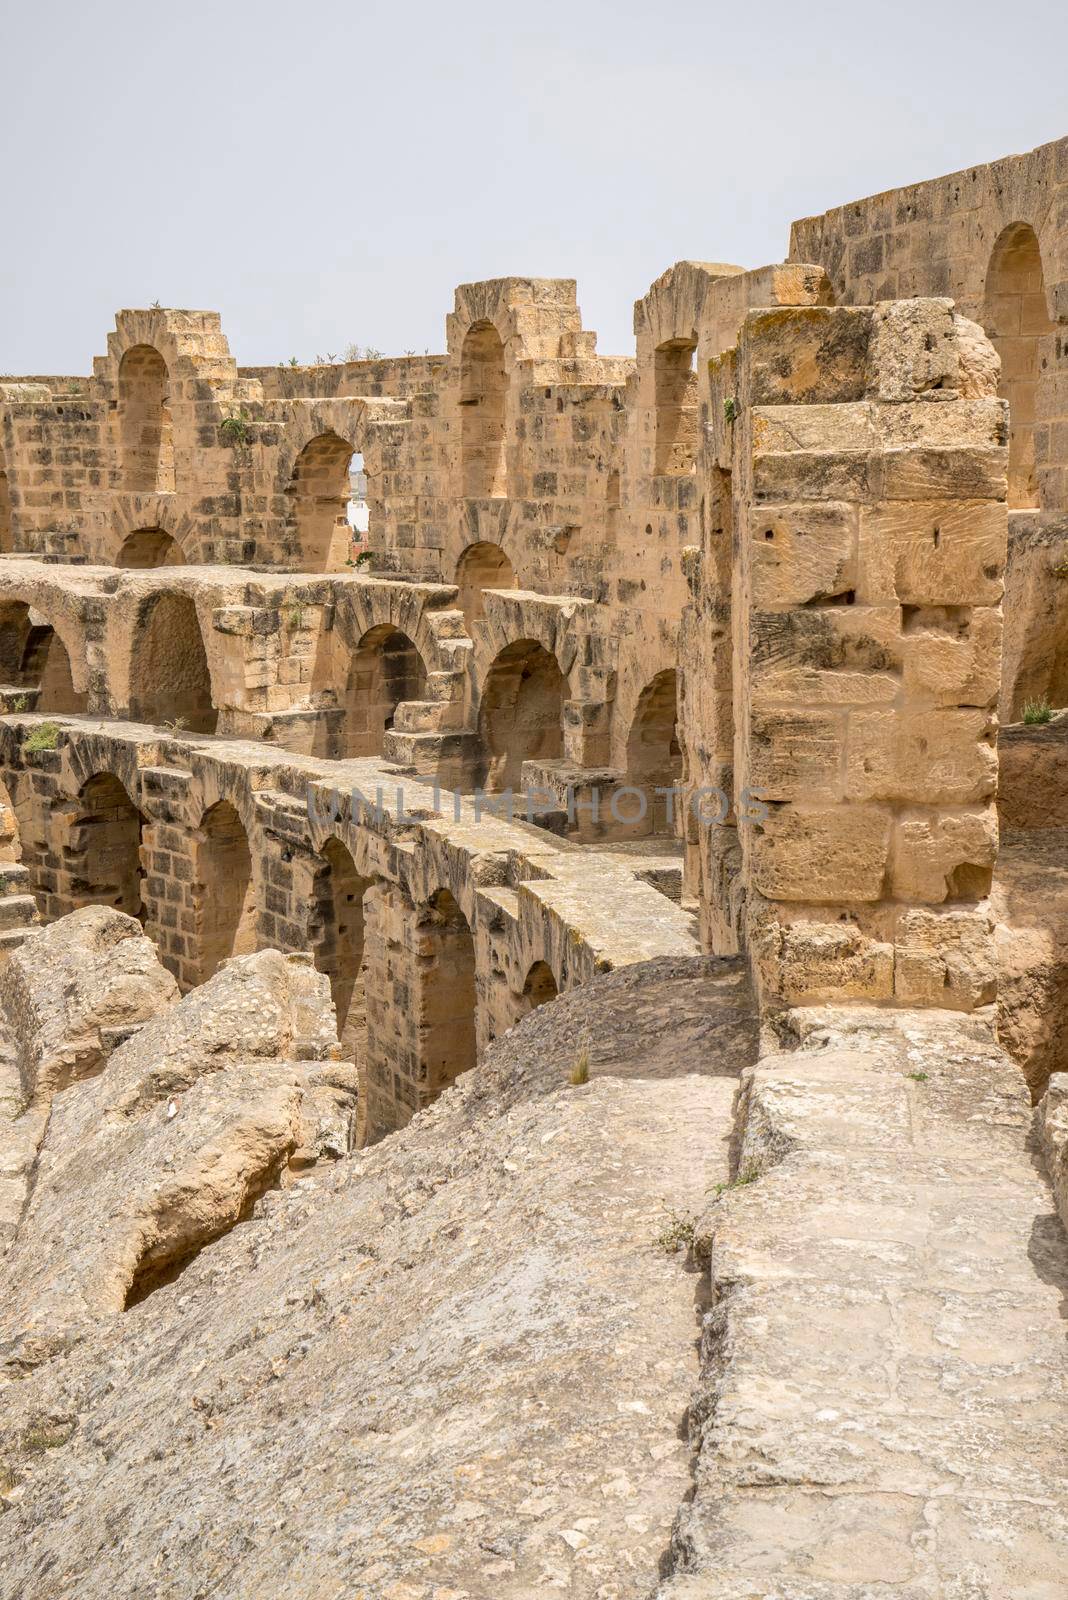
[(483, 406), (447, 1029), (482, 566), (521, 713), (359, 516), (48, 663), (146, 439), (34, 659), (320, 490), (539, 987), (224, 893), (150, 547), (339, 895), (169, 678), (103, 851), (386, 669), (654, 755), (1016, 317), (7, 530), (675, 383)]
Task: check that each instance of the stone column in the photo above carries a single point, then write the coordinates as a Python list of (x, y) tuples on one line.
[(868, 460)]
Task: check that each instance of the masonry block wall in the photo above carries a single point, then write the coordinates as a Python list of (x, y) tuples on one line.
[(763, 559), (428, 922), (868, 453), (994, 239)]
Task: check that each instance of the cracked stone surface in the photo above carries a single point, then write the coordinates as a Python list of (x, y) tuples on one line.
[(457, 1363)]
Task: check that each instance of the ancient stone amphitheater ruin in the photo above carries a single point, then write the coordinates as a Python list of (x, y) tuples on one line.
[(530, 1038)]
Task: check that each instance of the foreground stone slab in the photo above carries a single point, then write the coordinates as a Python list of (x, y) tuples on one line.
[(221, 1097), (68, 996), (72, 990), (884, 1367), (455, 1363)]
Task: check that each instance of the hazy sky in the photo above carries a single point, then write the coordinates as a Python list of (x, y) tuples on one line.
[(326, 173)]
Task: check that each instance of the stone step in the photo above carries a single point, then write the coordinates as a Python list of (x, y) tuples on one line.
[(14, 878), (18, 910)]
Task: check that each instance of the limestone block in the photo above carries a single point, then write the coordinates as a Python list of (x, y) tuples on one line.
[(933, 552), (943, 855), (826, 429), (975, 424), (945, 959), (964, 472), (821, 856), (979, 364), (832, 648), (952, 656), (801, 553), (938, 757), (813, 475), (796, 755), (807, 355), (806, 962), (71, 987), (913, 349)]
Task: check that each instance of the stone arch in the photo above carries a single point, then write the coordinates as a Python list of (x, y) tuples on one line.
[(169, 676), (150, 547), (385, 669), (103, 847), (675, 399), (34, 658), (520, 712), (654, 752), (142, 514), (319, 491), (539, 986), (482, 566), (224, 893), (1016, 316), (447, 1012), (146, 435), (357, 511), (339, 892), (483, 413)]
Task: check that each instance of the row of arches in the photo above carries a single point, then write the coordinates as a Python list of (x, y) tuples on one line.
[(521, 711), (109, 846), (326, 500), (1014, 311)]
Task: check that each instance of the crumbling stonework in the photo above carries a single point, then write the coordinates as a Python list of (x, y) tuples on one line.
[(403, 840)]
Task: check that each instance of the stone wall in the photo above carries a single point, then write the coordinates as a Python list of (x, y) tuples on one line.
[(403, 895), (995, 240), (755, 572)]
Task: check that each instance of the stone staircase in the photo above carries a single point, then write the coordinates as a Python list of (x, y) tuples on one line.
[(18, 908)]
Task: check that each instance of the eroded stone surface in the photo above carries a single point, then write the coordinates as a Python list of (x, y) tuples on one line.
[(455, 1363), (72, 990), (884, 1366), (1030, 904), (209, 1104)]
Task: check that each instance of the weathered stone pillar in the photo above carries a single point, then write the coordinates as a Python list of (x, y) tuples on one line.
[(867, 450)]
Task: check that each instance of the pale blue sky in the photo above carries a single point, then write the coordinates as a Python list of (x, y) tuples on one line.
[(325, 174)]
